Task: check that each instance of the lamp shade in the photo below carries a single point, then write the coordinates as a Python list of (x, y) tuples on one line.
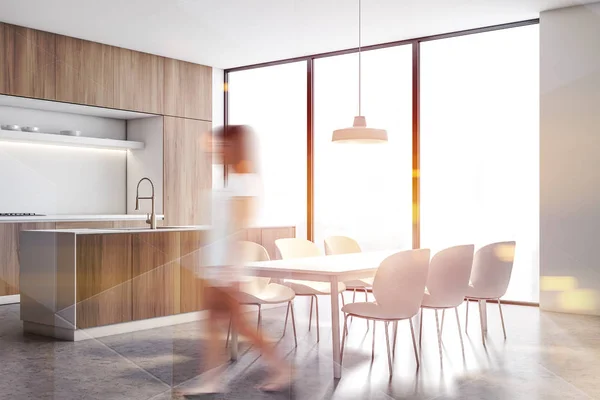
[(359, 133)]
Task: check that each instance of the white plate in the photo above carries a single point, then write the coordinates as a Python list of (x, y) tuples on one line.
[(30, 129), (11, 127)]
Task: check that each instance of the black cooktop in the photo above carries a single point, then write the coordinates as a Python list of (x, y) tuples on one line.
[(21, 215)]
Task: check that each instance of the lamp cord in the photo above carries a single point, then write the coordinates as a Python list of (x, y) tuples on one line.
[(359, 56)]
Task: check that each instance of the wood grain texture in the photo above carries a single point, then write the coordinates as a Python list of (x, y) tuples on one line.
[(191, 243), (9, 254), (7, 57), (27, 62), (254, 235), (187, 172), (188, 90), (85, 225), (85, 72), (156, 274), (139, 81), (35, 64), (104, 268), (270, 235), (9, 263)]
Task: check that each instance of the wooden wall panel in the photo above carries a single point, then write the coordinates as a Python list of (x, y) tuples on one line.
[(156, 274), (187, 172), (192, 286), (35, 64), (7, 57), (9, 264), (188, 90), (27, 62), (139, 81), (85, 72), (270, 235), (254, 235), (104, 267), (85, 225), (9, 254)]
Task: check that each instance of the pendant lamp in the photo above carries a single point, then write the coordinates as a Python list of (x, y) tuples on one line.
[(359, 132)]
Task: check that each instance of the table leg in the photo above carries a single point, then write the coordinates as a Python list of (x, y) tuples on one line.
[(335, 328), (483, 315)]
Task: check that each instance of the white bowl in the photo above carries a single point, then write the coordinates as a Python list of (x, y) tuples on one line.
[(71, 133), (11, 127), (30, 129)]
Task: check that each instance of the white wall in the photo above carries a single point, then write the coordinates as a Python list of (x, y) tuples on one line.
[(570, 159), (145, 163), (62, 180)]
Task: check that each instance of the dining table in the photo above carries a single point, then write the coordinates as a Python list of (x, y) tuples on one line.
[(332, 269)]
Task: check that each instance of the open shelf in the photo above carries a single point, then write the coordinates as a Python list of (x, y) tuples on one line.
[(71, 141)]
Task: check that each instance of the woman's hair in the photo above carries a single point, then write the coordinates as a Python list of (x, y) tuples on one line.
[(238, 143)]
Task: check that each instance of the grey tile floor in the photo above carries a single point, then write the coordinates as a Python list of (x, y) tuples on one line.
[(546, 356)]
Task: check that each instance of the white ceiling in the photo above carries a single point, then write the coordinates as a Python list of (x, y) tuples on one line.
[(229, 33)]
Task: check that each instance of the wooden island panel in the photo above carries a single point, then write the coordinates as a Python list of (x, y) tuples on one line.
[(104, 268), (156, 274), (191, 255)]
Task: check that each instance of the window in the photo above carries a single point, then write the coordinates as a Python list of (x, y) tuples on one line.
[(364, 191), (273, 101), (480, 146)]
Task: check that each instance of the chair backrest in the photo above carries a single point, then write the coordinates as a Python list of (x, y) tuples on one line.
[(296, 248), (448, 277), (492, 267), (253, 252), (341, 245), (400, 281)]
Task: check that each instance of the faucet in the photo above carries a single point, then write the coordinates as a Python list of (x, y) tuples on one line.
[(151, 218)]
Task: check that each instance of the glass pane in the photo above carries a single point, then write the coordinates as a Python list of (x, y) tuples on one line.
[(273, 101), (480, 146), (364, 190)]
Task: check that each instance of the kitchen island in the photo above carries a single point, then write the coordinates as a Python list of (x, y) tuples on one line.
[(84, 283)]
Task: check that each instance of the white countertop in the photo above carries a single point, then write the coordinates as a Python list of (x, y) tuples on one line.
[(92, 231), (82, 217)]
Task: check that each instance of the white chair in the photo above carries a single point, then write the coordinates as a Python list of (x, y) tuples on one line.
[(258, 291), (289, 248), (398, 290), (492, 267), (447, 285), (345, 245)]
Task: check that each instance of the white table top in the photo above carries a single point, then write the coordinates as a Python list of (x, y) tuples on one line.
[(356, 265)]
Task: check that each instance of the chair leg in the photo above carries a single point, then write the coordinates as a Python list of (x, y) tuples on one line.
[(367, 300), (481, 316), (317, 315), (312, 298), (344, 337), (412, 332), (387, 342), (395, 337), (502, 318), (373, 347), (467, 318), (343, 302), (293, 323), (442, 324), (287, 313), (420, 327), (228, 333), (259, 319), (459, 331), (353, 300), (437, 323)]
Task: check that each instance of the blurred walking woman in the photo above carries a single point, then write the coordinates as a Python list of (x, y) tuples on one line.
[(232, 211)]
